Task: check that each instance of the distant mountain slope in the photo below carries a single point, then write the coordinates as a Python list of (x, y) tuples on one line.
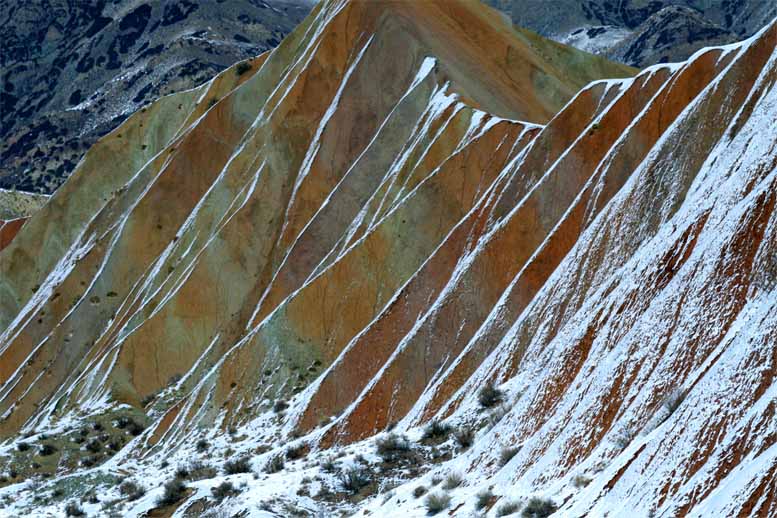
[(73, 70), (644, 32), (402, 254), (670, 35)]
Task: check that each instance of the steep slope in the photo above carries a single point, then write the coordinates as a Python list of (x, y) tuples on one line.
[(72, 70), (401, 204)]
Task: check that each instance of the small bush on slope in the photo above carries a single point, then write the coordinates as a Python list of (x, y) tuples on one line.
[(242, 68), (296, 452), (483, 499), (464, 437), (392, 447), (73, 509), (132, 490), (419, 491), (354, 478), (174, 492), (625, 437), (580, 481), (507, 454), (508, 508), (437, 502), (452, 481), (437, 430), (539, 508), (202, 446), (275, 464), (239, 465), (328, 465), (490, 396), (224, 490)]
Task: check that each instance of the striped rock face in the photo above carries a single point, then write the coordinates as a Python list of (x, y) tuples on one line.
[(403, 203)]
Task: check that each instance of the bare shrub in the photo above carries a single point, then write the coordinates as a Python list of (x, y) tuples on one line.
[(224, 490), (508, 508), (275, 464), (507, 454), (580, 481), (539, 508), (483, 499), (452, 481), (354, 478), (239, 465), (437, 431), (490, 396), (132, 490), (392, 447), (174, 492), (437, 502), (464, 437)]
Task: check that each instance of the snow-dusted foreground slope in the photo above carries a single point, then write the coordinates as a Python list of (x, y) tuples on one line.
[(359, 236)]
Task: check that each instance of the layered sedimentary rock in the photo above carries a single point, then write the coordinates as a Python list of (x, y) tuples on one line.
[(404, 202)]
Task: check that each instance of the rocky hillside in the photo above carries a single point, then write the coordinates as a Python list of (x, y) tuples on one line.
[(408, 262), (672, 34), (15, 208), (642, 32), (73, 70)]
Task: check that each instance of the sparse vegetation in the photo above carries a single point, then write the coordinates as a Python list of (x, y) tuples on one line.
[(625, 437), (242, 68), (73, 509), (354, 478), (224, 490), (483, 499), (132, 490), (452, 481), (200, 471), (419, 491), (673, 400), (328, 465), (174, 492), (47, 449), (539, 508), (437, 502), (182, 472), (507, 454), (392, 447), (437, 431), (490, 396), (275, 464), (580, 481), (296, 452), (464, 437), (508, 508), (239, 465)]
